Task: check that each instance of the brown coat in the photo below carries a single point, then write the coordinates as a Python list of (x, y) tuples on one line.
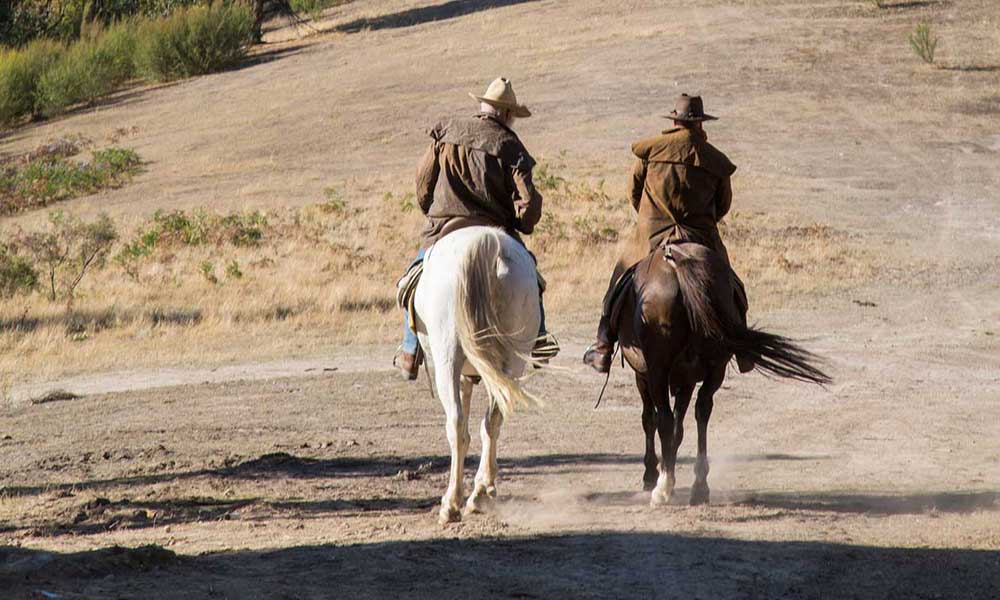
[(476, 172), (680, 188)]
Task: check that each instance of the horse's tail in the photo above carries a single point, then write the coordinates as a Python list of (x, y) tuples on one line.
[(486, 346), (772, 354)]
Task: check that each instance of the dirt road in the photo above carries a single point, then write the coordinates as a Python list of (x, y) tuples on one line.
[(326, 485)]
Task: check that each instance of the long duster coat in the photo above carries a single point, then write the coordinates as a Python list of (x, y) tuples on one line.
[(680, 188)]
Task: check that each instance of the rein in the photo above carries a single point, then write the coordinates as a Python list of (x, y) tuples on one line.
[(608, 377)]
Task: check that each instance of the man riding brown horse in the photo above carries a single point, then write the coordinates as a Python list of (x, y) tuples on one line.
[(681, 189), (476, 171)]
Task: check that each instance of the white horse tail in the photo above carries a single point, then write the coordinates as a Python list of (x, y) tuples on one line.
[(486, 346)]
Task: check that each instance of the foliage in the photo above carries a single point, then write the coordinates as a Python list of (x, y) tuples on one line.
[(924, 43), (46, 77), (87, 70), (544, 179), (233, 270), (207, 269), (194, 41), (41, 178), (17, 273), (132, 254), (23, 21), (313, 7), (334, 201), (179, 228), (68, 250), (20, 71)]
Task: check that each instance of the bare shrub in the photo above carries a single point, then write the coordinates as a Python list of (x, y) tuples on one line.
[(68, 251)]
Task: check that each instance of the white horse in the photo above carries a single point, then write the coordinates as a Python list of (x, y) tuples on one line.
[(477, 313)]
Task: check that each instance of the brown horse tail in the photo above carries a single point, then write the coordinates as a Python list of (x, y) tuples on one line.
[(777, 355), (772, 354)]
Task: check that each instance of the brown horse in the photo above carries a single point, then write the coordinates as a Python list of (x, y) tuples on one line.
[(678, 325)]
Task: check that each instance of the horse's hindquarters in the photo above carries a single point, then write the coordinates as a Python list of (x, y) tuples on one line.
[(512, 302)]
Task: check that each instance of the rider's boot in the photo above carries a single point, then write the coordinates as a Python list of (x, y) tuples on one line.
[(599, 354), (745, 362), (408, 364)]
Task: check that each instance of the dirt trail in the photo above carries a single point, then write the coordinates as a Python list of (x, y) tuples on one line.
[(886, 484)]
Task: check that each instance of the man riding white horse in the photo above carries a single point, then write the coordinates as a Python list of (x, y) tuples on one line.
[(476, 172)]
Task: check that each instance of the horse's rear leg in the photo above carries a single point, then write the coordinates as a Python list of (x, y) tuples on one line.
[(485, 491), (649, 476), (455, 398), (660, 395), (671, 430), (703, 412)]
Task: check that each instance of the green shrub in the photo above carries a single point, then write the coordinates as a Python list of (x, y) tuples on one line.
[(244, 229), (113, 163), (233, 270), (52, 177), (17, 274), (22, 21), (132, 254), (178, 226), (87, 70), (116, 52), (194, 41), (20, 71)]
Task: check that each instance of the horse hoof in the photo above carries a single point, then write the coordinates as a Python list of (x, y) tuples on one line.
[(479, 504), (658, 499), (699, 496), (449, 515), (648, 486)]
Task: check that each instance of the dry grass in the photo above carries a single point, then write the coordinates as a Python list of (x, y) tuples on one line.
[(324, 274)]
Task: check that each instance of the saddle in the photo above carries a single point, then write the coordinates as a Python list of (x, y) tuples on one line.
[(406, 289)]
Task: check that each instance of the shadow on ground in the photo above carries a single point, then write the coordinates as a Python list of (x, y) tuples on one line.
[(285, 465), (424, 14), (879, 504), (589, 565)]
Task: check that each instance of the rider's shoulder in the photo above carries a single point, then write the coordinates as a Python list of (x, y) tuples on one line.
[(681, 146)]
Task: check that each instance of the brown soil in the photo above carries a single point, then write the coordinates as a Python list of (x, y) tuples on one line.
[(276, 481)]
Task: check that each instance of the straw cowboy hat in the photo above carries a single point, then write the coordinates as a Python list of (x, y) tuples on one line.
[(501, 95), (689, 108)]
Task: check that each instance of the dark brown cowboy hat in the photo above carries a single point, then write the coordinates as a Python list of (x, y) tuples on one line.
[(689, 108)]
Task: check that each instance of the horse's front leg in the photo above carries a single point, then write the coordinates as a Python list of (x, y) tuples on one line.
[(649, 476), (485, 491), (456, 407), (703, 412)]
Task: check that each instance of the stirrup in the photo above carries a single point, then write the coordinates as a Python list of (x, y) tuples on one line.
[(546, 348)]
